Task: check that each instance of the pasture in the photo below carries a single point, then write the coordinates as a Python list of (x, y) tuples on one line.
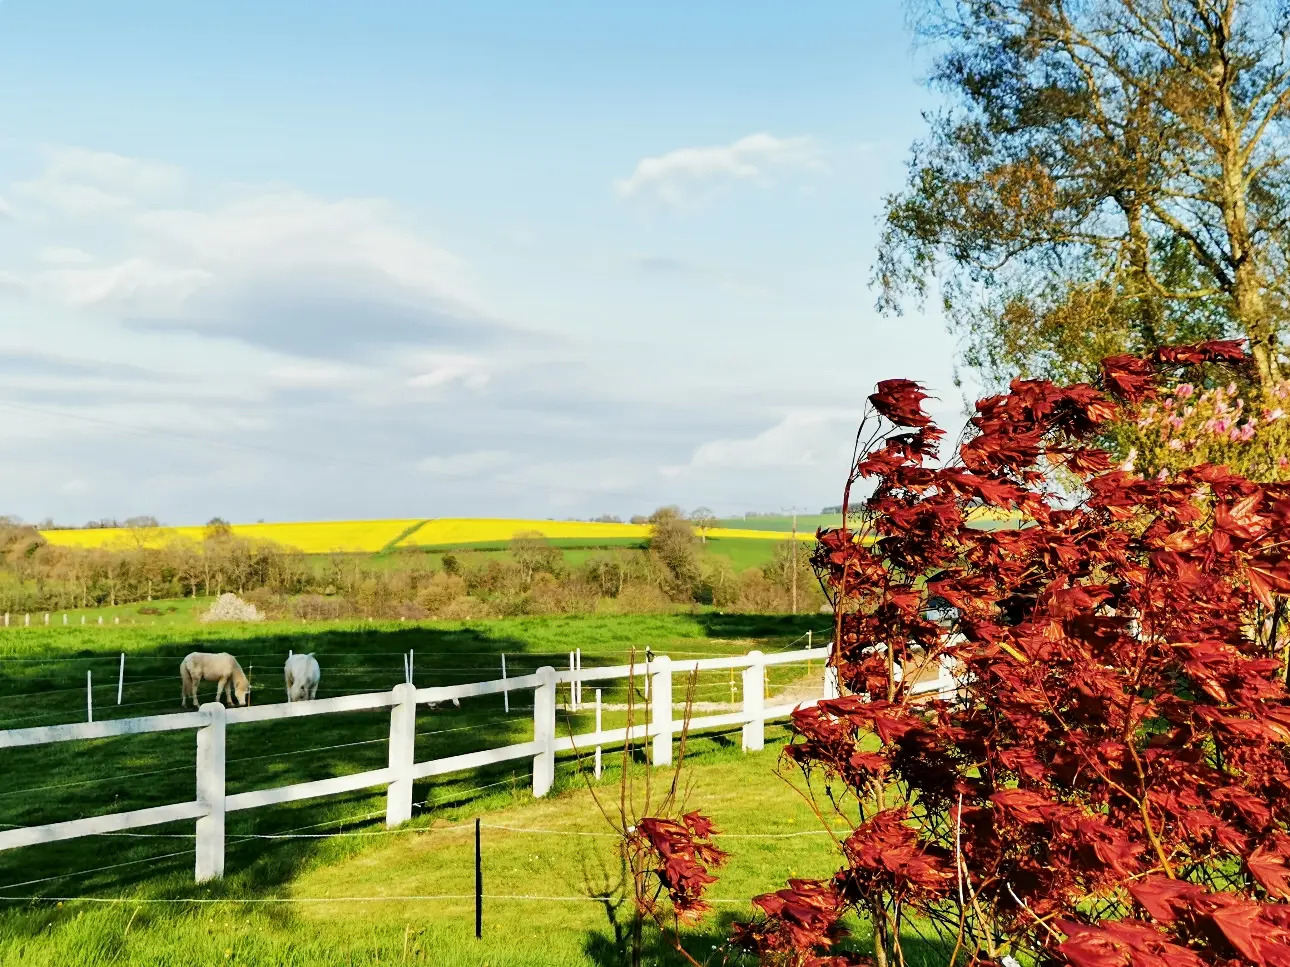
[(281, 900)]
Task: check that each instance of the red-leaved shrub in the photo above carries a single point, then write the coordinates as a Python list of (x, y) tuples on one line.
[(1109, 785), (680, 854)]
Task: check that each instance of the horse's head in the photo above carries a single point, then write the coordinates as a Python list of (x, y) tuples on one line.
[(241, 690)]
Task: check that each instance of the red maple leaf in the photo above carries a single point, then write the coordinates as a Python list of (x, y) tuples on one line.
[(901, 401)]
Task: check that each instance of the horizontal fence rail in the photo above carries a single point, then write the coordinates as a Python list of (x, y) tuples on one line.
[(212, 720)]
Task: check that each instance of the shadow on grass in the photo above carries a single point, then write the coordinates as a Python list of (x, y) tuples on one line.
[(65, 781), (711, 945)]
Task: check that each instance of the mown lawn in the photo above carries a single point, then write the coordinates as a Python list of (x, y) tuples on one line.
[(374, 897)]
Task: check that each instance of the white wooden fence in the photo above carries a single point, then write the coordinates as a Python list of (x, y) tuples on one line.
[(212, 721)]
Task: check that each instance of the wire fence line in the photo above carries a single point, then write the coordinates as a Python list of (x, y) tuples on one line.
[(362, 834), (411, 898)]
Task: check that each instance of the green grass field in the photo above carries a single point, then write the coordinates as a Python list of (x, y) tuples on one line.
[(42, 673), (806, 523), (741, 552)]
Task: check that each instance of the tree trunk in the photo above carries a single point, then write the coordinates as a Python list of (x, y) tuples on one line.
[(1247, 283), (1149, 311)]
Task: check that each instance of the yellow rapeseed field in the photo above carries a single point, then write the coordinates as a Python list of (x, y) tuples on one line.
[(369, 536), (476, 530), (312, 537)]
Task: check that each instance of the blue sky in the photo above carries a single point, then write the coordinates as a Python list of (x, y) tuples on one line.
[(297, 261)]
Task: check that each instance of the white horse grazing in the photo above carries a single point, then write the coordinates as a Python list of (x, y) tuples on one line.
[(222, 668), (302, 674)]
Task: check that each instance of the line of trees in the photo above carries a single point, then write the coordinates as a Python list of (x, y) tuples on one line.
[(536, 577)]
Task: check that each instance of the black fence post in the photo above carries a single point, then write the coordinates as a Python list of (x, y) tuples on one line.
[(479, 887)]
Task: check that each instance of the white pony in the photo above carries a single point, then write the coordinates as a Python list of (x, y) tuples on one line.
[(222, 668), (302, 674)]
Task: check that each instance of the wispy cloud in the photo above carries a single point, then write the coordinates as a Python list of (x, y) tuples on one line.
[(800, 439), (80, 182), (468, 464), (686, 174)]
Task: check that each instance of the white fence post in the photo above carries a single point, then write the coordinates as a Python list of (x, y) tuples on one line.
[(89, 696), (573, 686), (599, 729), (412, 665), (26, 620), (660, 707), (544, 732), (832, 683), (6, 619), (120, 680), (577, 699), (210, 793), (755, 703), (407, 674), (403, 740), (506, 692), (47, 617), (64, 618), (82, 619)]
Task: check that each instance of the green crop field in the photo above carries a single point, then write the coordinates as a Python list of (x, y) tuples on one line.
[(42, 681), (806, 523)]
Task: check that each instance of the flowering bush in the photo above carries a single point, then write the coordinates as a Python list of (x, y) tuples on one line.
[(1107, 787), (1189, 426)]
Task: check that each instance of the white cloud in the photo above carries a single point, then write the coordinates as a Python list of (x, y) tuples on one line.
[(63, 255), (284, 227), (678, 176), (137, 284), (79, 182), (274, 267), (801, 439), (6, 210), (315, 375), (471, 372), (469, 464)]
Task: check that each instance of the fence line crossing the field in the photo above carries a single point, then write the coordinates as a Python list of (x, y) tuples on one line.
[(212, 722)]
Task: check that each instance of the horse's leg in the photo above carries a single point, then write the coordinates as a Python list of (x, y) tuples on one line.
[(219, 689)]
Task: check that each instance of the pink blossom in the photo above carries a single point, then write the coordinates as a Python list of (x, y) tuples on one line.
[(1234, 433), (1177, 423), (1184, 390), (1247, 433), (1175, 444), (1276, 414), (1283, 462), (1220, 426), (1231, 389), (1163, 475)]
